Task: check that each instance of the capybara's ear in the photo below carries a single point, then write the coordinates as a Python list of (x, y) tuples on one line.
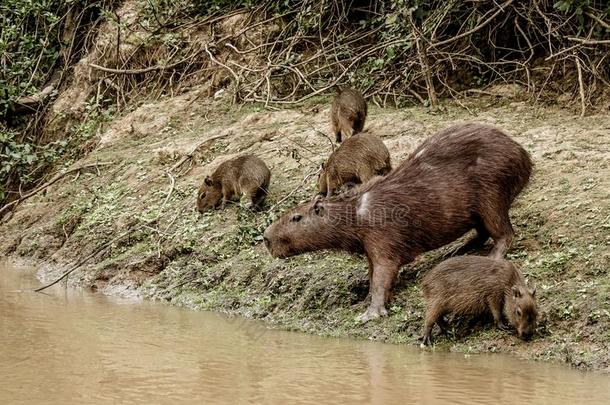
[(317, 207), (207, 181), (516, 291), (533, 292), (322, 166)]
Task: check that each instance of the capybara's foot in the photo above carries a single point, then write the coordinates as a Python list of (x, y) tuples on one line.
[(426, 340), (371, 313), (502, 326)]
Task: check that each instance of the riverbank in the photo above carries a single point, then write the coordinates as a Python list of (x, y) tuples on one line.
[(155, 157)]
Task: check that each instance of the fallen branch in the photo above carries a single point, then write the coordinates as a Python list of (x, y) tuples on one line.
[(585, 41), (114, 240), (581, 87), (51, 182), (30, 104), (138, 71), (83, 261), (599, 20)]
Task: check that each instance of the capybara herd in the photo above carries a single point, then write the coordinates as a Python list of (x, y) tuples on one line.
[(462, 178)]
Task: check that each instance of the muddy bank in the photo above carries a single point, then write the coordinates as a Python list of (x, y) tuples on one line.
[(162, 151)]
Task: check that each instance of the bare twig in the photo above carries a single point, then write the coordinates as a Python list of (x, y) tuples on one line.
[(585, 41), (138, 71), (475, 29), (581, 87), (84, 260)]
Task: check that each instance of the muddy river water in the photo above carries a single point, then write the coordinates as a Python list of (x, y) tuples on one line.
[(72, 346)]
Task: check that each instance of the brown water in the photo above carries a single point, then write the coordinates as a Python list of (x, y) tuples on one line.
[(71, 346)]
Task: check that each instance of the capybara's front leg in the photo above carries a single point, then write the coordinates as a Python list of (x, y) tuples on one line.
[(496, 312), (384, 274), (227, 194)]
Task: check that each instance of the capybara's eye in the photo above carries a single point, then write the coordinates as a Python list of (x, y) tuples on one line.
[(296, 217), (201, 196)]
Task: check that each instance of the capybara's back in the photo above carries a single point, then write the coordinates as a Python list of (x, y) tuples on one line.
[(246, 174), (348, 113), (357, 160), (254, 178), (476, 166), (488, 155), (476, 285)]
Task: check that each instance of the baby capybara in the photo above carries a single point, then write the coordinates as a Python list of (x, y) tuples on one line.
[(464, 177), (246, 174), (478, 285), (347, 113), (357, 160)]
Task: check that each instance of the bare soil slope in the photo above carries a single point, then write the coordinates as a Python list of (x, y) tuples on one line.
[(161, 151)]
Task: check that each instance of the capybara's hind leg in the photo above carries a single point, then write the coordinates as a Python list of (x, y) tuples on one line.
[(497, 223), (442, 324), (257, 198), (434, 314), (502, 236)]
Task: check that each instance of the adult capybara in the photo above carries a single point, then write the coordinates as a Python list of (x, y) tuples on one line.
[(461, 178), (477, 285), (347, 113), (246, 174), (357, 160)]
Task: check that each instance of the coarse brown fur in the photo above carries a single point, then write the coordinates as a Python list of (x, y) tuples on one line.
[(246, 174), (357, 160), (478, 285), (348, 113), (461, 178)]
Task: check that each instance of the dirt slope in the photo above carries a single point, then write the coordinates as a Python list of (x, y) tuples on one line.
[(216, 261)]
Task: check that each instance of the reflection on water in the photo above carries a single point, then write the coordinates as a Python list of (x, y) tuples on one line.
[(73, 346)]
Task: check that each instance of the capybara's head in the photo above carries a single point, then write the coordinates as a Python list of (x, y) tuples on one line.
[(522, 311), (298, 230), (209, 195)]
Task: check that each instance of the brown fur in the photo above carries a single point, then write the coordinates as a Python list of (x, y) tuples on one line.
[(245, 174), (461, 178), (357, 160), (477, 285), (348, 113)]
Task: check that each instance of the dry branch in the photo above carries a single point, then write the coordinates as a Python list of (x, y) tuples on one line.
[(585, 41), (581, 87)]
